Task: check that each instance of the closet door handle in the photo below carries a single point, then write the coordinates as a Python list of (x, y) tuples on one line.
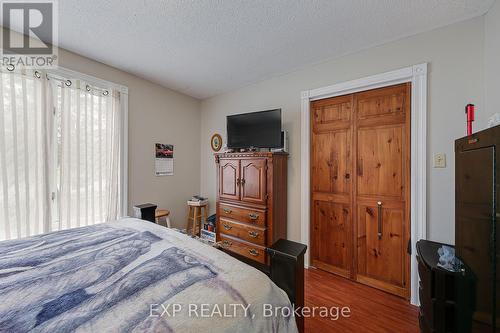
[(243, 181), (379, 206), (238, 181), (360, 167)]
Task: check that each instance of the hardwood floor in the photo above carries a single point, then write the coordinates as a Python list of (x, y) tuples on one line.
[(371, 310)]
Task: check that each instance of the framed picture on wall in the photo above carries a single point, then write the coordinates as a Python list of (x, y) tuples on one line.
[(216, 142)]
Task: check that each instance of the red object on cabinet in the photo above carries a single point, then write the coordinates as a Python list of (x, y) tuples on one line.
[(469, 111)]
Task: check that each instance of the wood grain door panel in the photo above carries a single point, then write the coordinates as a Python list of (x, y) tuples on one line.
[(331, 237), (380, 161), (381, 257), (331, 165), (331, 183), (331, 114), (229, 179), (253, 181), (381, 104), (360, 155), (383, 175)]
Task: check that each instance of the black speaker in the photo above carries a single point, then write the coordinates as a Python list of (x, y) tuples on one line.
[(145, 212)]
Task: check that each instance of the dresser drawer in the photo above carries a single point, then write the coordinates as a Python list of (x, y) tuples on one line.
[(251, 251), (246, 232), (252, 216)]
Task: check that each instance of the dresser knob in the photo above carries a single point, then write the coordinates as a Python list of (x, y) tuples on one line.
[(253, 234), (253, 252), (227, 211), (227, 227), (253, 216), (226, 243)]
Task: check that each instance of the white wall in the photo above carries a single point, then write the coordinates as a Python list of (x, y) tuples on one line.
[(156, 114), (492, 59), (455, 55)]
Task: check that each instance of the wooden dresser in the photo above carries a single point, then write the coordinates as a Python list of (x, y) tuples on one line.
[(251, 202)]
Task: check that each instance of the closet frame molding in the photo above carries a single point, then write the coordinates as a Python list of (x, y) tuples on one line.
[(417, 76)]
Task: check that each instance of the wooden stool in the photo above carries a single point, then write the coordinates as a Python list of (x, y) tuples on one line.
[(197, 210), (159, 213)]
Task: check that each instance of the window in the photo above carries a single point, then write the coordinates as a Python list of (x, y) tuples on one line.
[(62, 152)]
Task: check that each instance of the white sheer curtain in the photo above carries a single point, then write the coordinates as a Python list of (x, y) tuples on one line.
[(60, 152), (88, 155), (24, 162)]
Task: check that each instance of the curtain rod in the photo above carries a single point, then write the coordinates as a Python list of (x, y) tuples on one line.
[(67, 82)]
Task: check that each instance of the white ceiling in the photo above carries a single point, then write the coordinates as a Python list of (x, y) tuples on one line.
[(205, 47)]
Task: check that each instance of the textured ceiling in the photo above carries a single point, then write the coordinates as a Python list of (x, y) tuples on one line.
[(205, 47)]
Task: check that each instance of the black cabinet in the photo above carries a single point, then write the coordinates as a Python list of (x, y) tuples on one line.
[(477, 211), (447, 299)]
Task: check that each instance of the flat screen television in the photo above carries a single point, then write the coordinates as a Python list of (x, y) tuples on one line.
[(254, 130)]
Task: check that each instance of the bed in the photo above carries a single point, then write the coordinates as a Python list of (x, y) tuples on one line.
[(133, 276)]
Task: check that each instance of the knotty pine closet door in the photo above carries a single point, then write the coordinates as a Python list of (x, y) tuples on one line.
[(331, 171), (360, 220)]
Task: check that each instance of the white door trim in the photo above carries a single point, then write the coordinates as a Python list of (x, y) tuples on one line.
[(417, 75)]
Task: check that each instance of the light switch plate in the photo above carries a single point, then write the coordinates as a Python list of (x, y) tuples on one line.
[(440, 160)]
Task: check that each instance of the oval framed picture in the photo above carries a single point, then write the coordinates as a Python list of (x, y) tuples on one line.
[(216, 142)]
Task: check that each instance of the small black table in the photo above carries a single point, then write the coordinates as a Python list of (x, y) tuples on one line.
[(447, 299), (287, 271), (145, 212)]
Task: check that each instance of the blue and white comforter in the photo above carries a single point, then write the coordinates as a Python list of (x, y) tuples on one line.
[(129, 276)]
